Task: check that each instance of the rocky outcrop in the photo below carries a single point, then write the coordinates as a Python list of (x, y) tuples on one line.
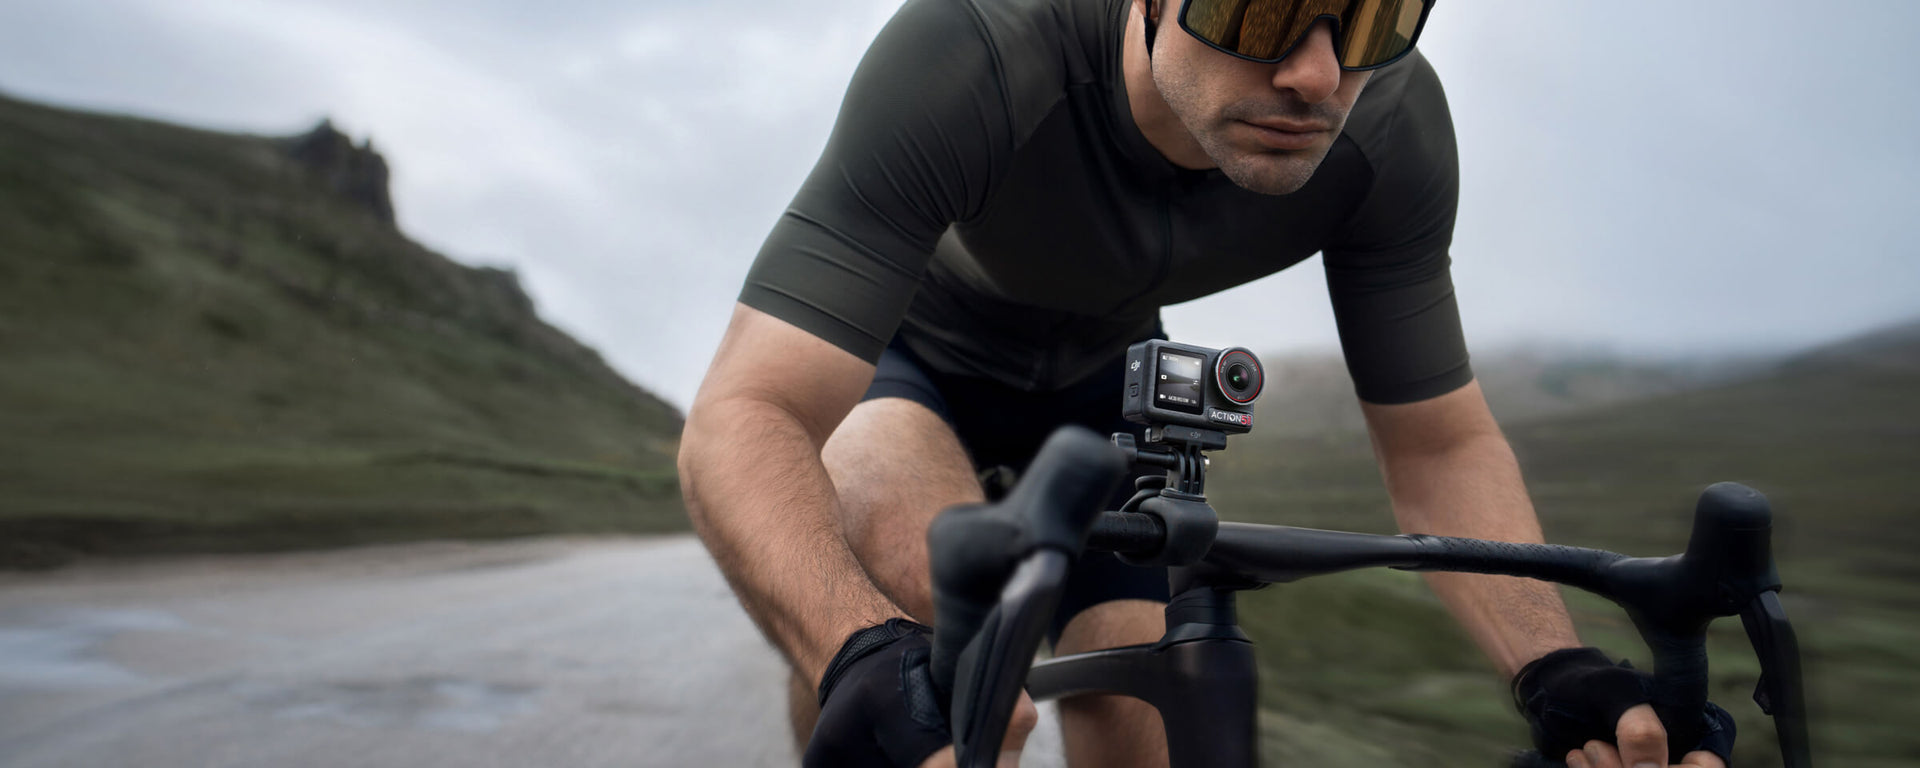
[(357, 173)]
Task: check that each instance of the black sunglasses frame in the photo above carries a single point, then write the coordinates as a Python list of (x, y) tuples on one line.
[(1338, 39)]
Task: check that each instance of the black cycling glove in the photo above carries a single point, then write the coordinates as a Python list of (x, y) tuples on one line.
[(1576, 695), (877, 702)]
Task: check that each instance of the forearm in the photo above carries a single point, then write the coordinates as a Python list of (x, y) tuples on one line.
[(1472, 488), (762, 502)]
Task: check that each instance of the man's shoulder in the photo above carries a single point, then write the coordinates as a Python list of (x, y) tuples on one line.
[(1403, 109), (1076, 32), (1042, 47), (975, 66)]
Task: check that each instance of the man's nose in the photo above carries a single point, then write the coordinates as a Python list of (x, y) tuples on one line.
[(1312, 69)]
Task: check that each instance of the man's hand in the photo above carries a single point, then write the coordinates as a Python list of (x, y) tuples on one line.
[(879, 706), (1570, 698), (1643, 744), (1025, 717)]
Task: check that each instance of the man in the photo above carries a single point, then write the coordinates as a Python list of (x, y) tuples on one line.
[(1012, 190)]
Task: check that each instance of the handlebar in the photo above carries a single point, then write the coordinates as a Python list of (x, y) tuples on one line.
[(1726, 570), (1127, 533)]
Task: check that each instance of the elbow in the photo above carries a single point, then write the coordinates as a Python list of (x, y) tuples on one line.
[(690, 464), (716, 435), (684, 468)]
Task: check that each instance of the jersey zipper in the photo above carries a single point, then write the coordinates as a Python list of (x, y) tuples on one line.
[(1165, 266)]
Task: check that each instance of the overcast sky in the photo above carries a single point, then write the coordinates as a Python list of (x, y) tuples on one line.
[(1648, 176)]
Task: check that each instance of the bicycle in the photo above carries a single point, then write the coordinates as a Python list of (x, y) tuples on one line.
[(999, 569)]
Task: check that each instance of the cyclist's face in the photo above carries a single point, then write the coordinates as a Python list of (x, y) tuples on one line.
[(1267, 126)]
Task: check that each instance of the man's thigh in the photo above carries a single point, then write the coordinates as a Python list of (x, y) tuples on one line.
[(1116, 731), (895, 464)]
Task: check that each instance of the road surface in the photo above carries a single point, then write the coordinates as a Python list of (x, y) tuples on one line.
[(543, 652)]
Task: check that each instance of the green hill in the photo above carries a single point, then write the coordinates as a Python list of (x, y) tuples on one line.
[(213, 341), (1367, 668)]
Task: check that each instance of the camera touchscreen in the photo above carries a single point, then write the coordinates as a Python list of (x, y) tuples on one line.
[(1179, 385)]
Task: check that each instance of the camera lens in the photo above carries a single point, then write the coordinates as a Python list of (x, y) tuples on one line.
[(1239, 375)]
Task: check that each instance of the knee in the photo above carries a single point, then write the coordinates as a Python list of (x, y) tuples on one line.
[(862, 511), (1114, 623)]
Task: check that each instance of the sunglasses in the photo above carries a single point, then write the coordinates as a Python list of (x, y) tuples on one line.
[(1367, 34)]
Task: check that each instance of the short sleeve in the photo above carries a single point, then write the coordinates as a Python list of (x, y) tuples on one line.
[(921, 136), (1388, 269)]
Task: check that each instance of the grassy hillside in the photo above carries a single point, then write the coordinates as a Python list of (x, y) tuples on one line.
[(203, 345), (1367, 669)]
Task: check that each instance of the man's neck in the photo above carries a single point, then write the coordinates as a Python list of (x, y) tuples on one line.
[(1155, 119)]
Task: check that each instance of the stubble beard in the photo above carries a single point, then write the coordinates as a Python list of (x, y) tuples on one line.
[(1263, 171), (1256, 169)]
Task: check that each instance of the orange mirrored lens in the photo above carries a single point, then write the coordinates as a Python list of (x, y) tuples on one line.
[(1371, 31)]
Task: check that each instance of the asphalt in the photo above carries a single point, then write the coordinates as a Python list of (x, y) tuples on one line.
[(544, 652)]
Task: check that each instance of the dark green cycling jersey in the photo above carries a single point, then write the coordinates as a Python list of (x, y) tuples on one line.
[(987, 196)]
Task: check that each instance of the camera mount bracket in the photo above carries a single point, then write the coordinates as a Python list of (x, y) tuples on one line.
[(1180, 450), (1184, 437)]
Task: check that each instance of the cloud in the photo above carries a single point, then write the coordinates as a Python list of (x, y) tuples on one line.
[(1644, 175), (1684, 176)]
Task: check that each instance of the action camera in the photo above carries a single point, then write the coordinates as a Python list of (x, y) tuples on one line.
[(1172, 384)]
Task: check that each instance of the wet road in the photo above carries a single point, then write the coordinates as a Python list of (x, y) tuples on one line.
[(548, 652)]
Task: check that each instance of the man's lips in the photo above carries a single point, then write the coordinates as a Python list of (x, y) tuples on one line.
[(1284, 134)]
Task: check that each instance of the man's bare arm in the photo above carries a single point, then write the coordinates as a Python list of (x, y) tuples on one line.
[(1451, 473), (758, 494)]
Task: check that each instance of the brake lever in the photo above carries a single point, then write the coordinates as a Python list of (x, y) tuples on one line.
[(998, 571), (1779, 692), (1728, 569)]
